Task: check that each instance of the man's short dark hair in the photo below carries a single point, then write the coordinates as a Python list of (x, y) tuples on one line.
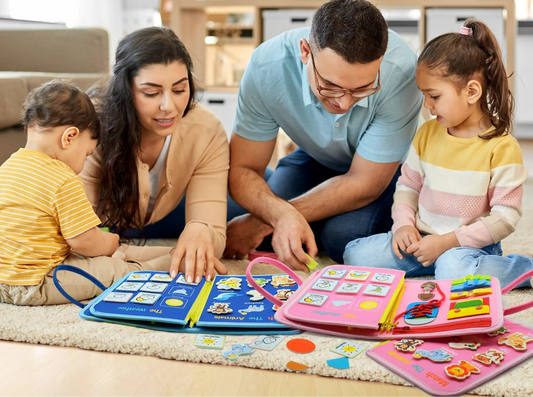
[(354, 29)]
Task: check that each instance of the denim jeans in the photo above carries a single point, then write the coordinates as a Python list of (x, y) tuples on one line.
[(298, 173), (376, 251)]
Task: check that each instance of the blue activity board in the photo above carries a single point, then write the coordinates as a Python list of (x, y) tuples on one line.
[(227, 305)]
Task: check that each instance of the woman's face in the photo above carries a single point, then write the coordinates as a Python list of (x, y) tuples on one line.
[(160, 95)]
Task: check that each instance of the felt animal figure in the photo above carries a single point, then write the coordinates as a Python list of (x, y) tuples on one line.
[(462, 370), (438, 355), (282, 280), (517, 341), (407, 345), (220, 308)]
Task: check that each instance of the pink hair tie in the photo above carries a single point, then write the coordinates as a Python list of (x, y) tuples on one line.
[(466, 31)]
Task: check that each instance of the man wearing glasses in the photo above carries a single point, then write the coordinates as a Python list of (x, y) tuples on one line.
[(345, 92)]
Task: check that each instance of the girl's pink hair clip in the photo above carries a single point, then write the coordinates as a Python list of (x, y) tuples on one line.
[(466, 31)]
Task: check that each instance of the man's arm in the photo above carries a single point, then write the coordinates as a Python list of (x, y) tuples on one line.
[(361, 185), (249, 160)]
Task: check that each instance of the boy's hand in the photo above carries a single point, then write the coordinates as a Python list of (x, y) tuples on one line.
[(403, 238), (429, 248)]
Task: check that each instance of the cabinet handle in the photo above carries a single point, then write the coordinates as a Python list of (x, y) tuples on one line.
[(215, 101), (462, 19), (302, 20)]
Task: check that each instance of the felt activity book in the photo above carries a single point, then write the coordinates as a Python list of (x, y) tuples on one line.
[(154, 300), (457, 364), (371, 303)]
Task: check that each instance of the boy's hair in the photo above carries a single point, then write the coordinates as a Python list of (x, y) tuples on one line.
[(461, 57), (355, 29), (58, 103)]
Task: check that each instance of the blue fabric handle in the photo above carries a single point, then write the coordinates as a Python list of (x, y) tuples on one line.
[(81, 272)]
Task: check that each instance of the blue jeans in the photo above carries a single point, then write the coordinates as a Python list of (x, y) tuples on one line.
[(376, 251), (298, 173)]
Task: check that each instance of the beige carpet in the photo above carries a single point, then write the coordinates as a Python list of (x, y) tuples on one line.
[(61, 326)]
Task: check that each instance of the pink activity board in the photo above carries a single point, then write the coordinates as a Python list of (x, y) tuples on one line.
[(456, 364), (346, 295), (378, 303)]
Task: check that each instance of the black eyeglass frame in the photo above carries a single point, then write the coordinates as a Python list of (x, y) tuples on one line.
[(362, 93)]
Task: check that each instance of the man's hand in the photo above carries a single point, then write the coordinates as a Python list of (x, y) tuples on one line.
[(290, 232), (243, 235), (403, 238), (429, 248)]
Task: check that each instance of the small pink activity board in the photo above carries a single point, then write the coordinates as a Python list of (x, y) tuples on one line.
[(456, 364)]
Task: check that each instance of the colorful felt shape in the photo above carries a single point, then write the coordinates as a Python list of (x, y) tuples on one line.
[(420, 313), (470, 282), (517, 341), (464, 345), (490, 356), (300, 345), (499, 331), (237, 350), (461, 370), (312, 264), (437, 355), (294, 366), (348, 348), (407, 345), (469, 294), (205, 341), (339, 363), (467, 308)]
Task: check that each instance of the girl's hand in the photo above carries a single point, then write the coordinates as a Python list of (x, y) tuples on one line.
[(403, 238), (194, 255), (429, 248)]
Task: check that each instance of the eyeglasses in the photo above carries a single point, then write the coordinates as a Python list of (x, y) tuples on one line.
[(329, 93)]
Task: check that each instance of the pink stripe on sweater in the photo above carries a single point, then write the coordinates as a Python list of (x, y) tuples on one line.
[(411, 178), (453, 205), (510, 196)]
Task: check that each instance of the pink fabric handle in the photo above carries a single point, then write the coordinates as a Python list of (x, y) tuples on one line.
[(279, 265), (523, 306)]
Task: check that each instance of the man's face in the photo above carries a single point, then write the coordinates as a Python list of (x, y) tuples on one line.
[(332, 72)]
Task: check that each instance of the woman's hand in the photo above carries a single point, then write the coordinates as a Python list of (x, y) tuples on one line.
[(194, 254), (403, 239)]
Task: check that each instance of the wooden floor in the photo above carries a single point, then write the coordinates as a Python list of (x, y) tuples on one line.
[(39, 370)]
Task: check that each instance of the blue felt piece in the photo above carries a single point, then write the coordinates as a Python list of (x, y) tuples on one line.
[(339, 363)]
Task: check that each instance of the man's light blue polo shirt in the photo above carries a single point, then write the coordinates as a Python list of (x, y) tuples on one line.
[(275, 92)]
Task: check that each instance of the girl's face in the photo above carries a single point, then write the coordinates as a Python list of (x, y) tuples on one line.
[(443, 100), (160, 95)]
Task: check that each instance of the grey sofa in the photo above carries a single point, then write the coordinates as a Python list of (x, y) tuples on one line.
[(29, 58)]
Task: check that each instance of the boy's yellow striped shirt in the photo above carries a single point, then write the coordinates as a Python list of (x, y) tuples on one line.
[(42, 203)]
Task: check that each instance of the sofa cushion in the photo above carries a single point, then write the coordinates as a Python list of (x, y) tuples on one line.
[(13, 92), (15, 87), (55, 50), (12, 140)]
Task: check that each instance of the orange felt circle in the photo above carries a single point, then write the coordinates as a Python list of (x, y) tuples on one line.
[(300, 346)]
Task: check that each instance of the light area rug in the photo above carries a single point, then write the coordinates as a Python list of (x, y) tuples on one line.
[(60, 326)]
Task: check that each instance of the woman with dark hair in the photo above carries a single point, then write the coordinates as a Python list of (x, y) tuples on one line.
[(157, 145)]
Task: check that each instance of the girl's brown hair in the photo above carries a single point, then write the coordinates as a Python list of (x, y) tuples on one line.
[(462, 56)]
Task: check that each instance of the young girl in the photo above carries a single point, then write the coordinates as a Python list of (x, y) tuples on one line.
[(44, 212), (460, 192)]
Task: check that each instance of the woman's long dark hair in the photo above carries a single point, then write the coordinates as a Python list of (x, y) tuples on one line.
[(121, 131), (461, 56)]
